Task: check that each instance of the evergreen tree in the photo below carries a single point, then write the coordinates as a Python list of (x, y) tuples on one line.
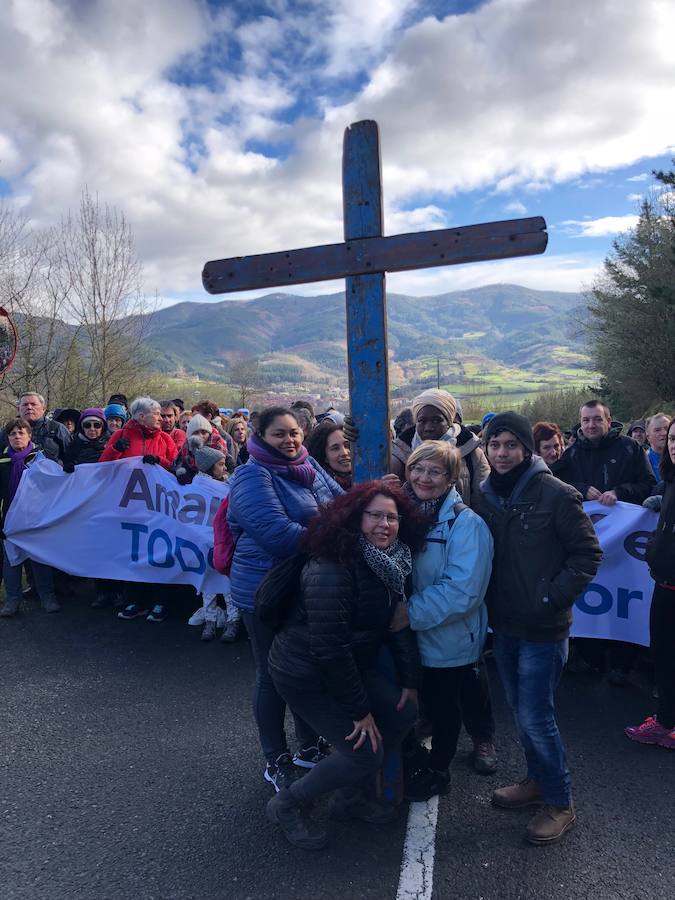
[(632, 306)]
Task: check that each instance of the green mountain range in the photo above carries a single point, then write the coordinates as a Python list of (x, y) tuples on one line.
[(501, 336)]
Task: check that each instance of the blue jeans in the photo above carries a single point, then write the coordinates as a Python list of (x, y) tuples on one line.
[(530, 672)]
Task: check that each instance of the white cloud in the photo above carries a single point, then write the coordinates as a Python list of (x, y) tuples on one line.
[(602, 227), (514, 96), (634, 198), (643, 176), (516, 207)]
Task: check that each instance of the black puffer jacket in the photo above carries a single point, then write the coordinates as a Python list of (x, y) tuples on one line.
[(615, 463), (546, 552), (661, 548), (82, 450), (336, 630)]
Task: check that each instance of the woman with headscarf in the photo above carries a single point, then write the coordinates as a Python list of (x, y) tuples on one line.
[(435, 415)]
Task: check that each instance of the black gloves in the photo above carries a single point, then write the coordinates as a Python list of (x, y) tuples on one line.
[(69, 467), (150, 459), (121, 444)]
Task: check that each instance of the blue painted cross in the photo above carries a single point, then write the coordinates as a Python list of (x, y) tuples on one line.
[(362, 259)]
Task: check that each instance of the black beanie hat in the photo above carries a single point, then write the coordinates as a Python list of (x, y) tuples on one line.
[(516, 424)]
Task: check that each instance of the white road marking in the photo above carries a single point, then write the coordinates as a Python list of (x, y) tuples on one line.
[(416, 880)]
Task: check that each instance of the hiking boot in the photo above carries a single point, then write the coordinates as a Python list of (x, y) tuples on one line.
[(157, 614), (208, 631), (230, 633), (281, 773), (10, 608), (350, 803), (132, 611), (425, 783), (650, 732), (668, 740), (51, 605), (517, 796), (309, 757), (484, 757), (285, 812), (550, 823)]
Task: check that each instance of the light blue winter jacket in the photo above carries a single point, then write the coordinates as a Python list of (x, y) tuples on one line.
[(450, 577)]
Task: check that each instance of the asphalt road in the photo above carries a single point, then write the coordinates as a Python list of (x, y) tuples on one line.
[(130, 769)]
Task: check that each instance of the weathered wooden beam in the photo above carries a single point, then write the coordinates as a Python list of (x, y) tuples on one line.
[(366, 303), (364, 255)]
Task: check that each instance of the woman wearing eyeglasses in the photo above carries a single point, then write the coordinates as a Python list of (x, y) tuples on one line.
[(446, 608), (324, 659)]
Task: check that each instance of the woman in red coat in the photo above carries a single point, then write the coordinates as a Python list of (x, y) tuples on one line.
[(143, 436)]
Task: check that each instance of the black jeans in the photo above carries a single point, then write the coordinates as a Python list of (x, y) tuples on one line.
[(662, 642), (476, 703), (269, 707), (345, 767), (441, 697)]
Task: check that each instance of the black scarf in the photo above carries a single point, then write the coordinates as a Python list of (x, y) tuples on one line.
[(503, 485)]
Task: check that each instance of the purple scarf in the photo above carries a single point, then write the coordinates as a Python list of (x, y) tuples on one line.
[(299, 469), (18, 458)]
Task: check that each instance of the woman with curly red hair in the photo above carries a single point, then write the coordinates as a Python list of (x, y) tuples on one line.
[(324, 660)]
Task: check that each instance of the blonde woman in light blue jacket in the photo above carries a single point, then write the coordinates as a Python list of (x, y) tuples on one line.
[(446, 608)]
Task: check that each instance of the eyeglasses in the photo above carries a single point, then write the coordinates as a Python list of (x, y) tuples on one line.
[(422, 472), (392, 518), (92, 423)]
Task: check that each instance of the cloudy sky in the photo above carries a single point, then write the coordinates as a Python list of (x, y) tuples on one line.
[(216, 127)]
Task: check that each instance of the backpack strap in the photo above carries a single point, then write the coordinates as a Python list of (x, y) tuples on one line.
[(458, 509)]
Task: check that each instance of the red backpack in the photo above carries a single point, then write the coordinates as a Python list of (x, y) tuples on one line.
[(223, 540)]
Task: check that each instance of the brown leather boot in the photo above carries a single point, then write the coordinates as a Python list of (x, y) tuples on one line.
[(550, 823), (517, 796)]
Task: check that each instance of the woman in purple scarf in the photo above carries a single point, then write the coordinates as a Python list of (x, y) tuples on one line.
[(272, 499), (14, 461)]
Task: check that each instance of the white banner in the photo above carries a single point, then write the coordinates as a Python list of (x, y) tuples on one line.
[(134, 522), (123, 520), (616, 603)]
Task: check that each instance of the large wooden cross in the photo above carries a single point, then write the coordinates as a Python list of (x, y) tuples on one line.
[(362, 259)]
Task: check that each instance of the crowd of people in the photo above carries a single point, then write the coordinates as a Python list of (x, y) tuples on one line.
[(367, 606)]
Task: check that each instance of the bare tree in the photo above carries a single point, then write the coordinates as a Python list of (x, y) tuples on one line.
[(245, 377), (97, 273)]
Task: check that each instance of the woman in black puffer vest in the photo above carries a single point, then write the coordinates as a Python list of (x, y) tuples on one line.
[(324, 660), (660, 728), (88, 441)]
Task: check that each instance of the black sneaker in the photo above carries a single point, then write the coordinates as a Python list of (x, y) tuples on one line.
[(132, 611), (426, 783), (298, 830), (309, 757), (157, 614), (281, 773)]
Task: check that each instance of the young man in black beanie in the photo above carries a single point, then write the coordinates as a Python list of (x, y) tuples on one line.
[(546, 552)]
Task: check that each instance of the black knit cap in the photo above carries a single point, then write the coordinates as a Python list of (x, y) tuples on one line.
[(513, 422)]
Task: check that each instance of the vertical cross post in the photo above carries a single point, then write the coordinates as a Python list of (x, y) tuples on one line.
[(367, 357)]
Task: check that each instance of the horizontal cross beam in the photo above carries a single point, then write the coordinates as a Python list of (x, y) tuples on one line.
[(398, 253)]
